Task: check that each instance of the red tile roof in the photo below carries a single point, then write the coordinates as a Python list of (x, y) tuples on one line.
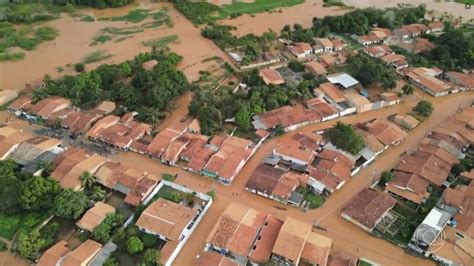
[(368, 206), (271, 76)]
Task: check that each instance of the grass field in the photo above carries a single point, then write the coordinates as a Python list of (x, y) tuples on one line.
[(258, 6)]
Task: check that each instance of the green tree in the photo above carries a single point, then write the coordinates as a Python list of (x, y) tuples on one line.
[(408, 89), (424, 108), (29, 244), (96, 193), (345, 138), (151, 257), (385, 177), (111, 261), (47, 168), (103, 232), (242, 119), (279, 130), (134, 245), (70, 204), (10, 188), (38, 193), (87, 179)]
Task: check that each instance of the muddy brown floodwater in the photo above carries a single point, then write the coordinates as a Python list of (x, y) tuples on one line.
[(73, 44), (440, 6), (300, 14)]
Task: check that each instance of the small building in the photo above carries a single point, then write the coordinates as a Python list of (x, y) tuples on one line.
[(271, 76), (343, 79), (368, 208), (426, 79), (436, 26), (325, 43), (409, 187), (331, 93), (165, 219), (315, 68), (465, 81), (397, 61), (294, 155), (54, 254), (386, 132), (296, 244), (378, 51), (94, 216), (428, 231), (300, 49), (405, 121), (327, 60), (83, 254)]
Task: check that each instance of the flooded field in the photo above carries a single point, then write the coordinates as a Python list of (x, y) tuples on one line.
[(300, 14), (444, 6), (73, 44)]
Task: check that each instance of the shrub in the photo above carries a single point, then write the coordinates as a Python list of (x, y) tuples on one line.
[(148, 240), (3, 246), (79, 67), (424, 108), (134, 245), (169, 177)]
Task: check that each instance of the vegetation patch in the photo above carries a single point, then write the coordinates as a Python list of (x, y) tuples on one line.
[(3, 246), (87, 18), (96, 57), (9, 225), (161, 42), (345, 138), (329, 3), (198, 12), (257, 6), (25, 38), (100, 39)]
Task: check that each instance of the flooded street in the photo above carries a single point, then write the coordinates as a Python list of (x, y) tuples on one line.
[(75, 37)]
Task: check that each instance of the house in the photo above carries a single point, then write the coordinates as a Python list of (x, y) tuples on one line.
[(300, 49), (141, 190), (327, 60), (431, 168), (212, 258), (373, 37), (163, 139), (320, 110), (425, 79), (386, 132), (416, 46), (296, 244), (46, 107), (274, 183), (236, 231), (378, 51), (402, 33), (343, 79), (405, 121), (412, 30), (368, 208), (71, 164), (410, 187), (94, 216), (10, 139), (330, 170), (197, 153), (171, 154), (19, 104), (289, 117), (31, 149), (315, 68), (327, 45), (83, 254), (54, 254), (465, 81), (165, 219), (271, 76), (294, 155), (338, 44), (429, 230), (436, 26), (194, 127), (331, 93), (261, 251), (461, 199), (397, 61), (78, 123), (356, 100)]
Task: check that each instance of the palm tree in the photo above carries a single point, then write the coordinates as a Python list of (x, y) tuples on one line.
[(87, 180), (96, 193)]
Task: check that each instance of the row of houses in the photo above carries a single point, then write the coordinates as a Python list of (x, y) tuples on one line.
[(429, 165), (302, 50), (438, 83), (386, 54), (311, 162), (381, 35), (251, 236), (220, 157), (340, 96)]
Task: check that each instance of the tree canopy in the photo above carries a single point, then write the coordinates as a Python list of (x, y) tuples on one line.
[(38, 193), (371, 71), (345, 138), (70, 204), (424, 108), (10, 188)]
